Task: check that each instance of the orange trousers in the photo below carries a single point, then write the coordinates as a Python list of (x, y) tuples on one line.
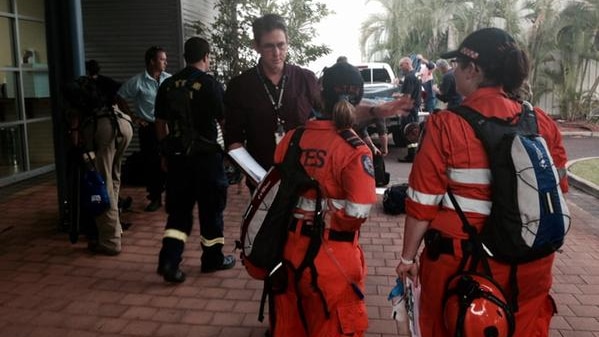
[(338, 264), (536, 307)]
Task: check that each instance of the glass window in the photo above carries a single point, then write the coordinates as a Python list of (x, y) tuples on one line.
[(380, 75), (5, 6), (34, 8), (41, 144), (33, 43), (9, 109), (37, 94), (6, 45), (11, 150), (366, 76)]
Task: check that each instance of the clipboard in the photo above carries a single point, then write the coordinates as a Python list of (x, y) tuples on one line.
[(250, 167)]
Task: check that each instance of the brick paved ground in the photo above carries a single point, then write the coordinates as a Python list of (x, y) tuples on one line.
[(49, 287)]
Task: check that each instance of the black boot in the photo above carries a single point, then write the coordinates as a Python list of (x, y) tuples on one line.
[(169, 260), (410, 157)]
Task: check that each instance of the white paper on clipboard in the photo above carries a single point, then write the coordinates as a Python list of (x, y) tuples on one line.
[(248, 164), (413, 307)]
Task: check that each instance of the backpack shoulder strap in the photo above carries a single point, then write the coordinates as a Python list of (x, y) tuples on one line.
[(528, 120), (491, 130), (293, 154), (473, 117)]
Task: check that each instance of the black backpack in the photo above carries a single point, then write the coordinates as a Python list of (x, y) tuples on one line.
[(266, 223), (183, 139), (394, 199), (529, 216)]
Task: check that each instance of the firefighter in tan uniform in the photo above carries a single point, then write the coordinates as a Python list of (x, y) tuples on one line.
[(328, 299)]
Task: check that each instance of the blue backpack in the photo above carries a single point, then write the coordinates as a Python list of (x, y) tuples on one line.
[(529, 216)]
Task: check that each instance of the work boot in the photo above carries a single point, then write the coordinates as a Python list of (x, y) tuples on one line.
[(227, 263), (169, 259), (96, 248), (125, 203), (170, 273), (409, 158)]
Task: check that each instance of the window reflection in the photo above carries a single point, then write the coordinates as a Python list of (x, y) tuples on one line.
[(9, 110), (41, 147), (36, 89), (37, 94), (7, 54), (33, 8), (11, 153), (33, 43)]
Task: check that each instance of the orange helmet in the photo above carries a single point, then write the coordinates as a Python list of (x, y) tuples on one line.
[(475, 306)]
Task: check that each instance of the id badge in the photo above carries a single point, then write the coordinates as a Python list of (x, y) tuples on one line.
[(279, 134)]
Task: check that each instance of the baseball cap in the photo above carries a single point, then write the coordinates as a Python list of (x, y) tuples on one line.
[(486, 46), (342, 81)]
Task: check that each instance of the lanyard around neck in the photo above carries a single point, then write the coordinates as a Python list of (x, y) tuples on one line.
[(279, 103)]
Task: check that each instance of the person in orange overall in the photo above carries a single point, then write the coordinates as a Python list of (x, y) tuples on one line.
[(490, 68), (342, 164)]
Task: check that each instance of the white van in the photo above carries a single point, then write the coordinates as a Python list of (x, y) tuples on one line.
[(379, 79)]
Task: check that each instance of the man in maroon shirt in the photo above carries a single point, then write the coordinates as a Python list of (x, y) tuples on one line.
[(270, 98), (274, 96)]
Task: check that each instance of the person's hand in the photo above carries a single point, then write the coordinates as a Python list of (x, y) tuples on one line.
[(405, 270), (399, 106), (384, 152), (234, 146), (139, 121), (376, 151)]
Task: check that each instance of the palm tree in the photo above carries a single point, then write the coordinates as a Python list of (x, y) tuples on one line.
[(423, 26), (577, 46), (540, 42), (407, 27), (382, 32)]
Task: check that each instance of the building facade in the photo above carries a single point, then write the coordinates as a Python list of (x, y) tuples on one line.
[(45, 43)]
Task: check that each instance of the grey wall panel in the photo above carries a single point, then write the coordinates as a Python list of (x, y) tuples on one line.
[(117, 33)]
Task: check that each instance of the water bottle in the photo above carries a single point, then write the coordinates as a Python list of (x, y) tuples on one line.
[(397, 296)]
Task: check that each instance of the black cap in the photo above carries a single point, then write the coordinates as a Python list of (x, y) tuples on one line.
[(342, 81), (485, 46), (195, 49)]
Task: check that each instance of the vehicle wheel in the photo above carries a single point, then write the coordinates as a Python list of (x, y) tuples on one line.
[(412, 132)]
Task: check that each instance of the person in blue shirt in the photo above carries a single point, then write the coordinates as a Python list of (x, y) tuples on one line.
[(142, 89)]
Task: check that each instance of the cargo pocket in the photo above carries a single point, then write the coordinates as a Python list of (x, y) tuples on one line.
[(353, 319)]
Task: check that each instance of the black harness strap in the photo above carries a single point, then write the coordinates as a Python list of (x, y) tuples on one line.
[(308, 261), (478, 252)]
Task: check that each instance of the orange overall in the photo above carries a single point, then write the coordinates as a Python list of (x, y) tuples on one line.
[(343, 167), (451, 157)]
